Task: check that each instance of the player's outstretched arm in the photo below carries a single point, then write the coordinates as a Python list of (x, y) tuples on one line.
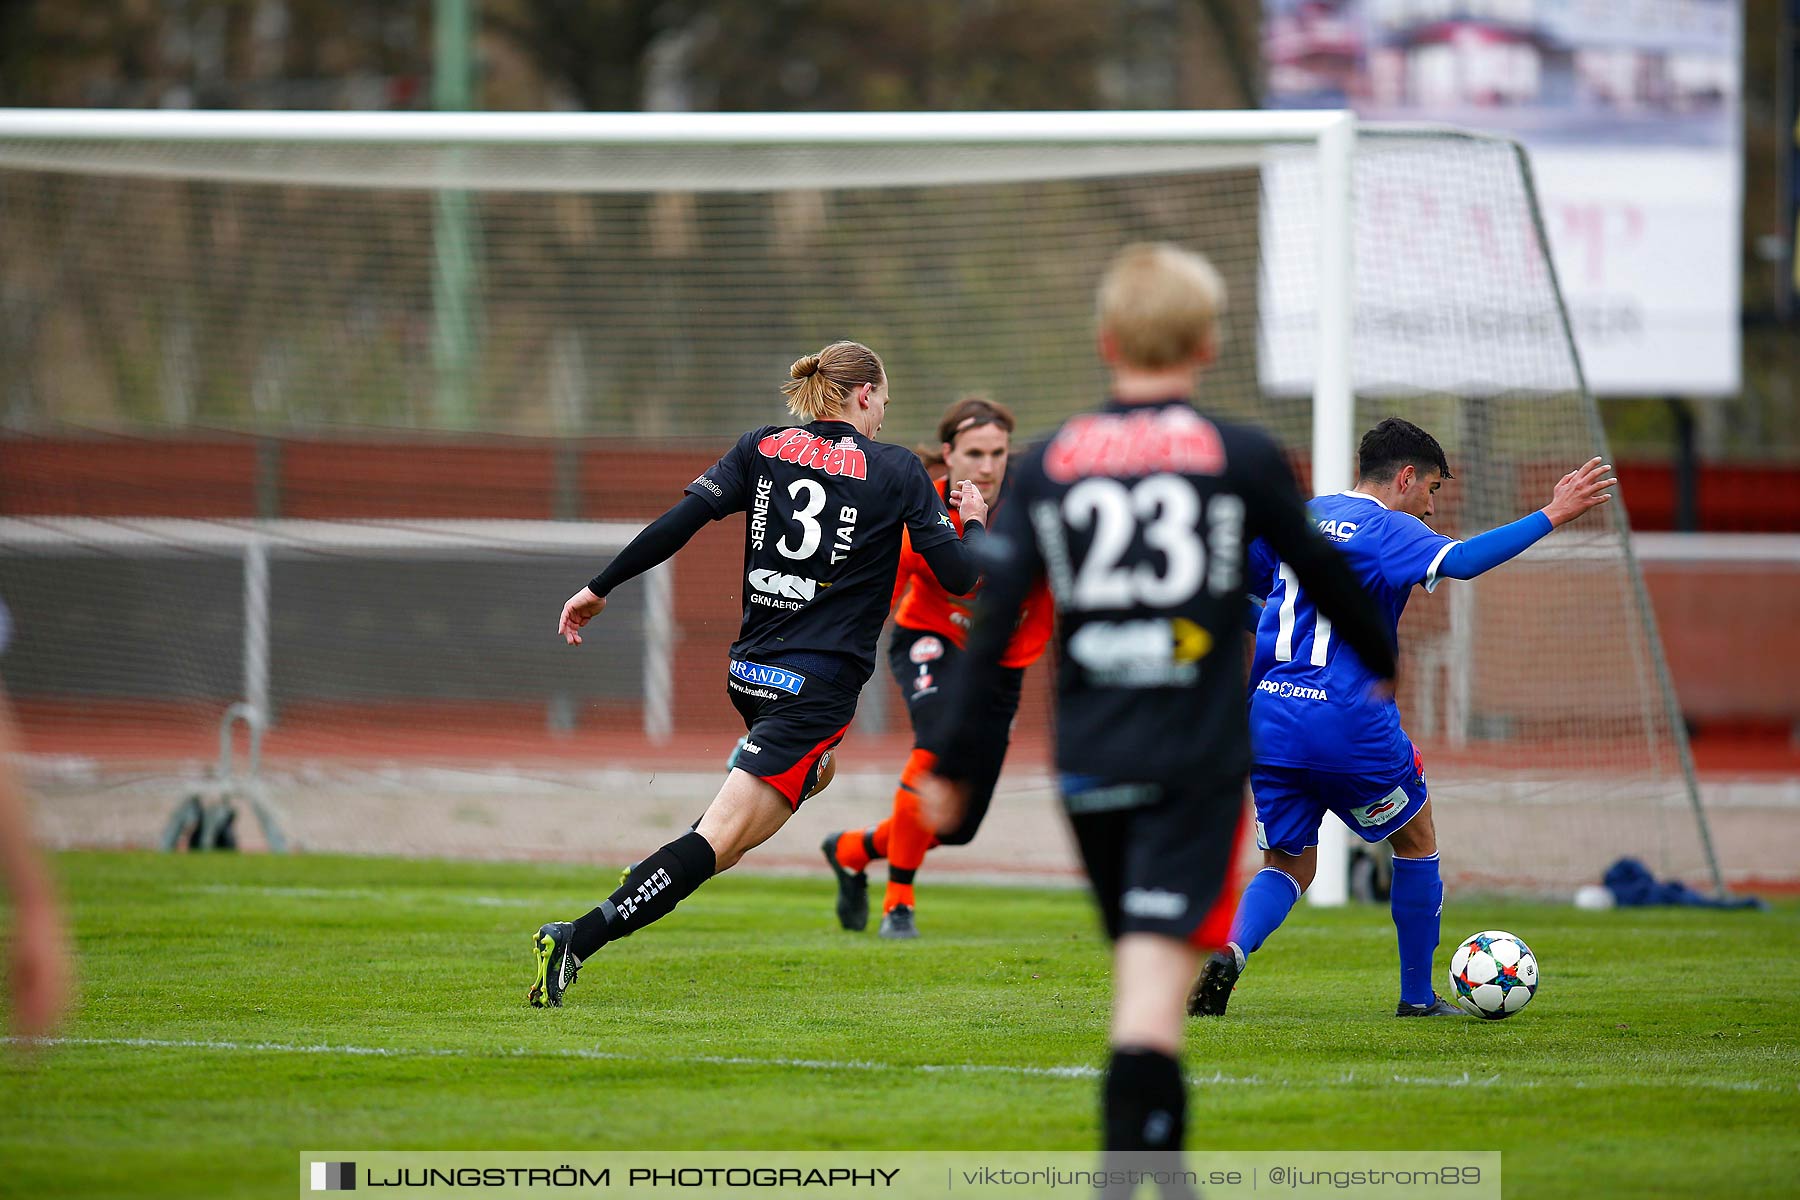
[(656, 543), (577, 611), (1578, 492)]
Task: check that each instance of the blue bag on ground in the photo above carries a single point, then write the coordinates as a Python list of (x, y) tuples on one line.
[(1633, 886)]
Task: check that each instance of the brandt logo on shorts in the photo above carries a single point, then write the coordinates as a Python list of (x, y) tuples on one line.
[(786, 681), (1382, 811)]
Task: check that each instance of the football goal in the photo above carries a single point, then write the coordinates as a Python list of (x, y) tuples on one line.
[(327, 413)]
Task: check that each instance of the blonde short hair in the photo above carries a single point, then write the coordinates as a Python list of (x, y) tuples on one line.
[(822, 382), (1160, 305)]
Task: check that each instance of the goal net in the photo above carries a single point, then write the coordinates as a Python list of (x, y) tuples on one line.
[(328, 413)]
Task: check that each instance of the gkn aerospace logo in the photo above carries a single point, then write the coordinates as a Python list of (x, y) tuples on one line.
[(807, 450), (777, 590)]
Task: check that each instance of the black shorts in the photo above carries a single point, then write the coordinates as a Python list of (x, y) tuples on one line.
[(793, 716), (922, 663), (1160, 856)]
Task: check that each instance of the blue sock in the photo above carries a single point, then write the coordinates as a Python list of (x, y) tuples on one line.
[(1418, 902), (1264, 906)]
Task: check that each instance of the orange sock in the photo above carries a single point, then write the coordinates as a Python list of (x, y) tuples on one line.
[(853, 850), (909, 837)]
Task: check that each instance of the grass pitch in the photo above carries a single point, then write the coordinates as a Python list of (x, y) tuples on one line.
[(237, 1010)]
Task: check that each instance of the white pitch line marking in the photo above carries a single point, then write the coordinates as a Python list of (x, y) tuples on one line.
[(1217, 1078), (349, 894)]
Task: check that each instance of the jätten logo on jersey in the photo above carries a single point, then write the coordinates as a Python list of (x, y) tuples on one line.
[(1141, 443), (807, 450)]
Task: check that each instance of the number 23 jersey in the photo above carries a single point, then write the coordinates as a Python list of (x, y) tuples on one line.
[(1139, 517), (825, 509)]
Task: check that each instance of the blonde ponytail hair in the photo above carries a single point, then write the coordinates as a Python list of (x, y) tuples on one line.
[(822, 382)]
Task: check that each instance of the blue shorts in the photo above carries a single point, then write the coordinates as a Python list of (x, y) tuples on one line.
[(1291, 801)]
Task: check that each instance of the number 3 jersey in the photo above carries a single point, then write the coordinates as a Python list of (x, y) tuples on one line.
[(825, 509), (1309, 703), (1139, 516)]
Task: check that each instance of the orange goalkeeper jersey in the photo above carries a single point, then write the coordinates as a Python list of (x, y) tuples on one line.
[(920, 602)]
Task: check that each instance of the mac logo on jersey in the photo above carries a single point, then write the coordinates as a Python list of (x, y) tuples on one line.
[(1337, 531), (774, 583), (808, 450)]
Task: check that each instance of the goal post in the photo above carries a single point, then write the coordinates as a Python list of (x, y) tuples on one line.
[(226, 319), (1334, 408)]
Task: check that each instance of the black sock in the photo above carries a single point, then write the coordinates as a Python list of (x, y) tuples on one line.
[(901, 874), (650, 893), (1146, 1101), (1146, 1114)]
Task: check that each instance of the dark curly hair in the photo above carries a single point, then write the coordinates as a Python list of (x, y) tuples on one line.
[(1394, 444)]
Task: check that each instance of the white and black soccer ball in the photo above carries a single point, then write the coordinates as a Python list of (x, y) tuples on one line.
[(1493, 974)]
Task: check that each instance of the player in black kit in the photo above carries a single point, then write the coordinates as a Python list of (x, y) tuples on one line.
[(1138, 515), (826, 505)]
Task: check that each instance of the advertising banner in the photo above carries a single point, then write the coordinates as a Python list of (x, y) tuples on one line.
[(1631, 112)]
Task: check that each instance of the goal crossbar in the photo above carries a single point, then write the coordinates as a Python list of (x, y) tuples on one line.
[(661, 129)]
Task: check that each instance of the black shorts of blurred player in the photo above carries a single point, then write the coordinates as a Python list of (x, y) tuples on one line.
[(921, 662), (1161, 857), (789, 734)]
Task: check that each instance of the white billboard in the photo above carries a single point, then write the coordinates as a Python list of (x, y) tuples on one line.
[(1631, 112)]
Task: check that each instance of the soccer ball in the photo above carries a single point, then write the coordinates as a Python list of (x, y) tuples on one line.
[(1493, 975)]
